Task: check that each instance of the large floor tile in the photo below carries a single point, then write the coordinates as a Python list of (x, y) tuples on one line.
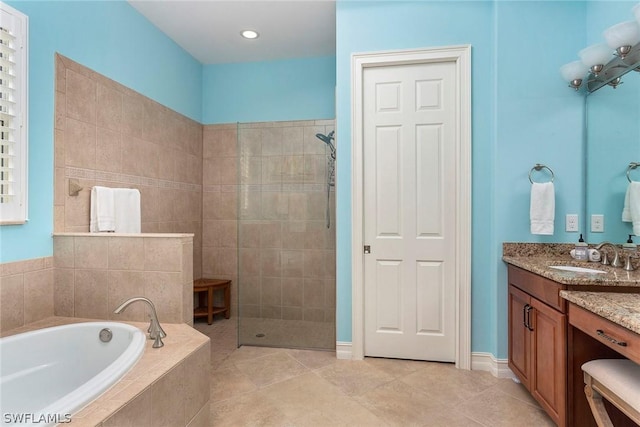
[(270, 369), (494, 408), (354, 377), (246, 411), (310, 393)]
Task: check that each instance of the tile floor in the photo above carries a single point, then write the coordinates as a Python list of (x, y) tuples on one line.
[(258, 386)]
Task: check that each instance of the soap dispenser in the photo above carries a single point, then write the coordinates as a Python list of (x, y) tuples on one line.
[(581, 250), (629, 245), (629, 248)]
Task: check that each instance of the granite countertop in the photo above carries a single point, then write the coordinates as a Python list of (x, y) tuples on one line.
[(620, 308), (538, 257)]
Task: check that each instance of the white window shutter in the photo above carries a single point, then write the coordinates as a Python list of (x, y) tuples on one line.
[(13, 115)]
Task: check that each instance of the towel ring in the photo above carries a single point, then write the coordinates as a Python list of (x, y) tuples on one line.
[(631, 166), (538, 167)]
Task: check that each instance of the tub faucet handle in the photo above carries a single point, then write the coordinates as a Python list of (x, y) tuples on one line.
[(156, 332)]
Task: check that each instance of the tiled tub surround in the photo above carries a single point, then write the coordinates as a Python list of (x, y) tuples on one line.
[(264, 203), (95, 272), (26, 292), (168, 386), (107, 134), (538, 257)]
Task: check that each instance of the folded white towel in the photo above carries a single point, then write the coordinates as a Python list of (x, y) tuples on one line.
[(127, 210), (631, 210), (543, 208), (102, 210)]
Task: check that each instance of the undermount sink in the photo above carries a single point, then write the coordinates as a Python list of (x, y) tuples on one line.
[(577, 269)]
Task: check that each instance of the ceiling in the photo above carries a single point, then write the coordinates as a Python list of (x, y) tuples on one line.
[(210, 29)]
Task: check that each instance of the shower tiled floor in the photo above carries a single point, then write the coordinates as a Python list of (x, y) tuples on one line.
[(289, 333), (260, 386)]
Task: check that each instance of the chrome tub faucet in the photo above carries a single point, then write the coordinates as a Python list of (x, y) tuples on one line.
[(155, 330)]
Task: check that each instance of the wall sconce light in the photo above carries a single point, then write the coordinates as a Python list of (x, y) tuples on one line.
[(574, 72), (595, 56), (622, 37), (615, 82), (601, 68)]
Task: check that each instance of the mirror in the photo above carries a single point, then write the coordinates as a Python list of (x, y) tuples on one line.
[(613, 141)]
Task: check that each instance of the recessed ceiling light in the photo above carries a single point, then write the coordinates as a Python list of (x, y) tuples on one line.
[(249, 34)]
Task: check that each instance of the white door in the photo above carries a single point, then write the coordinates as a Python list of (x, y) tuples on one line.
[(409, 137)]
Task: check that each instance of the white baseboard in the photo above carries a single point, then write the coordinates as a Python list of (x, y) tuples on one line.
[(487, 362), (343, 350), (479, 361)]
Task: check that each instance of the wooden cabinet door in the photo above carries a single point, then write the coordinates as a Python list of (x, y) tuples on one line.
[(549, 360), (519, 340)]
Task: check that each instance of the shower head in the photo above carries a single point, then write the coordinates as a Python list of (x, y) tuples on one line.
[(327, 140)]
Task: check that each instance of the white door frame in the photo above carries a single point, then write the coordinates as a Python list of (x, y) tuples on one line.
[(461, 56)]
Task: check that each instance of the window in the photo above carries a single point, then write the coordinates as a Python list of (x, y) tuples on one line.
[(13, 115)]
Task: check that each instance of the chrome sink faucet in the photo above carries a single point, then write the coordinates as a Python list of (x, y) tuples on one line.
[(155, 330), (616, 258)]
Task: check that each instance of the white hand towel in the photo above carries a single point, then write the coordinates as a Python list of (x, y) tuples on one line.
[(543, 208), (102, 210), (127, 210), (631, 210)]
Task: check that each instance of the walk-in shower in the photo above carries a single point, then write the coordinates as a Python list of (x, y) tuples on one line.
[(331, 170), (286, 253)]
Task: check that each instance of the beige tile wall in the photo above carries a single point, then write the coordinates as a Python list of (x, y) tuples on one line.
[(26, 292), (179, 398), (109, 135), (272, 176), (96, 273)]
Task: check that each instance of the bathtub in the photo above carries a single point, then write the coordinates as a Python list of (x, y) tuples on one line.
[(49, 374)]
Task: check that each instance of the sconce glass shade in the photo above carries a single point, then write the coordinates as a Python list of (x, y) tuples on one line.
[(574, 72), (595, 56), (636, 12), (625, 33)]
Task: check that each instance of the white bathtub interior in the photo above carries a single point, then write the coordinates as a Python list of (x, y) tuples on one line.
[(61, 369)]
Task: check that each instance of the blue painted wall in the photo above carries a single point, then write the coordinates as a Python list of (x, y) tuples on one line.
[(294, 89), (114, 39), (522, 114)]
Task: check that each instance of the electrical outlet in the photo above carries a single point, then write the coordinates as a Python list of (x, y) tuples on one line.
[(571, 222), (597, 223)]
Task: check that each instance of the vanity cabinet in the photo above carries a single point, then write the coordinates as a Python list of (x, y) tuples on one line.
[(537, 340)]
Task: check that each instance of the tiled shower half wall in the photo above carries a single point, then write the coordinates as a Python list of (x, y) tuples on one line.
[(286, 242)]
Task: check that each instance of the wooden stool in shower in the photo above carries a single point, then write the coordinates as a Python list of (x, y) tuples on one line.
[(206, 287)]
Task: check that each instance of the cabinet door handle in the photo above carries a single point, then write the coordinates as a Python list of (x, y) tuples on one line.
[(601, 333), (528, 313), (524, 315)]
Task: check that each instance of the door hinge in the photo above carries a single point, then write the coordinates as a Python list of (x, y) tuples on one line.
[(367, 249)]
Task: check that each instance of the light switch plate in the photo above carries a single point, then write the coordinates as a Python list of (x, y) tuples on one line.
[(597, 223)]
